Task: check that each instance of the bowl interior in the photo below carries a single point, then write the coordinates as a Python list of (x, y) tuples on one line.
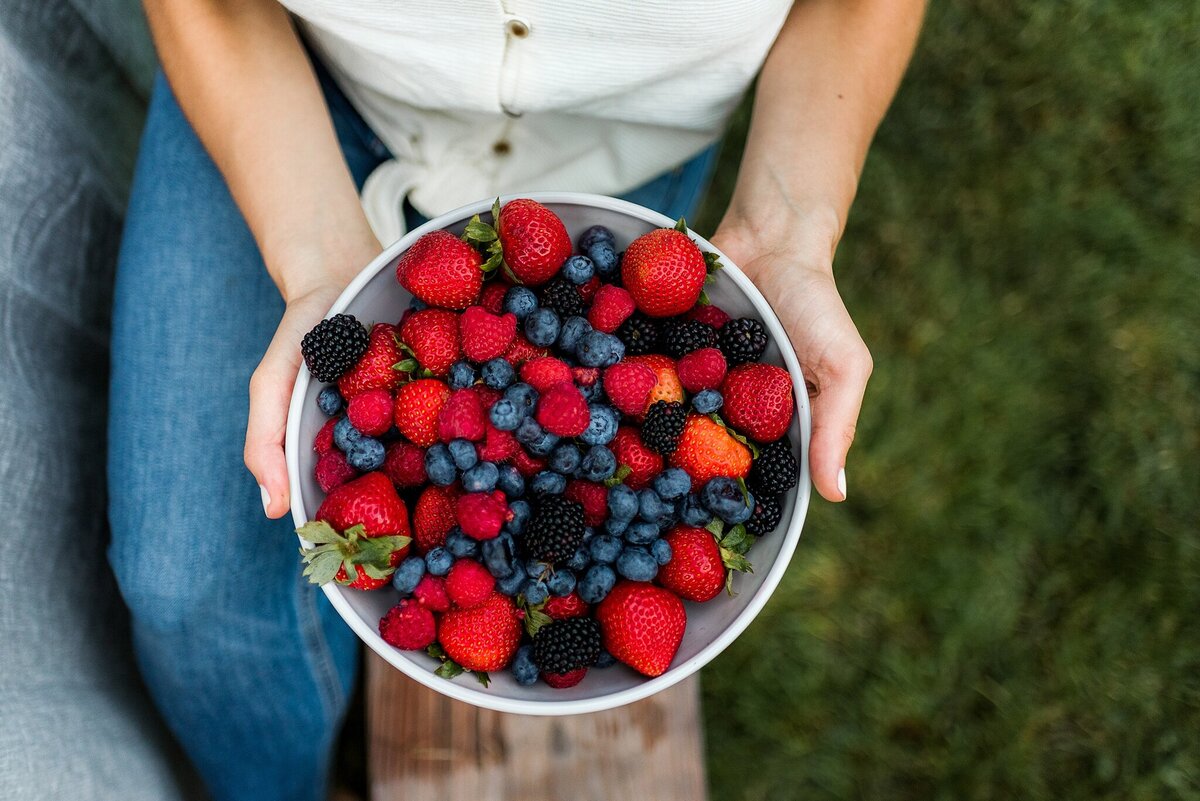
[(375, 296)]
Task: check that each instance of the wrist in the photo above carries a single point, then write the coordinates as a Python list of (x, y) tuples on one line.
[(804, 234), (300, 265)]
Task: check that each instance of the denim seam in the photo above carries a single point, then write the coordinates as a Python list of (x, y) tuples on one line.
[(320, 656)]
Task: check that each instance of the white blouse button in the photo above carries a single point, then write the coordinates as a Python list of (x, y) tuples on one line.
[(517, 27)]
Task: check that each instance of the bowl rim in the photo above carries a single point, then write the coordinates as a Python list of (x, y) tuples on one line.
[(462, 691)]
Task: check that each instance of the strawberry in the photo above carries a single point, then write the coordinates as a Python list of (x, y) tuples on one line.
[(529, 466), (664, 271), (562, 411), (404, 464), (758, 400), (592, 497), (628, 385), (701, 369), (611, 307), (522, 351), (543, 372), (433, 516), (418, 405), (643, 463), (561, 607), (668, 387), (469, 583), (561, 681), (707, 450), (408, 626), (431, 335), (430, 593), (370, 502), (371, 411), (323, 441), (375, 369), (462, 417), (696, 571), (642, 626), (492, 297), (482, 514), (485, 335), (535, 241), (709, 315), (441, 270), (333, 470), (497, 446), (484, 637), (361, 528)]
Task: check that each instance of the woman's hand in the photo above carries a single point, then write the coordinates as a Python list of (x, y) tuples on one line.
[(794, 270)]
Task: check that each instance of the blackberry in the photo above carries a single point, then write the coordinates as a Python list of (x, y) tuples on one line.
[(775, 470), (556, 530), (566, 645), (765, 517), (742, 340), (681, 337), (562, 296), (640, 335), (333, 346), (663, 426)]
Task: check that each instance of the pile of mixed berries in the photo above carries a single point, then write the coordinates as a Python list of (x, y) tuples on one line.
[(584, 442)]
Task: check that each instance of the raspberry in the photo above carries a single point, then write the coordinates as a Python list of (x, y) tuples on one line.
[(487, 395), (639, 334), (492, 297), (680, 337), (408, 626), (765, 517), (497, 446), (323, 441), (371, 412), (556, 530), (527, 464), (701, 369), (404, 464), (585, 376), (775, 470), (592, 497), (469, 583), (561, 681), (712, 315), (481, 514), (431, 593), (562, 607), (589, 289), (485, 335), (567, 645), (563, 297), (462, 417), (544, 372), (562, 411), (333, 470), (663, 426), (628, 385), (333, 346), (742, 340), (611, 307)]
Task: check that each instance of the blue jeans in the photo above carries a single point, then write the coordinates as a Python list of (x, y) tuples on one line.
[(249, 664)]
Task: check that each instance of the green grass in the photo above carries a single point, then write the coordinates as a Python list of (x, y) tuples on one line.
[(1008, 606)]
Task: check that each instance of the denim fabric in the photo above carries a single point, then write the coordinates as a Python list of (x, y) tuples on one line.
[(250, 666)]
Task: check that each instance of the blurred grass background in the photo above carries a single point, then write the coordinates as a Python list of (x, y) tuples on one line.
[(1007, 606)]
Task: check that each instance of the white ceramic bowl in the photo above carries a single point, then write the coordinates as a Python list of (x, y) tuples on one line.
[(376, 296)]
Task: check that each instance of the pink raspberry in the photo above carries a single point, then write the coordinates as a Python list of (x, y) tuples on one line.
[(371, 412), (333, 470), (492, 298), (593, 497), (544, 372), (323, 441), (562, 411), (527, 465), (701, 369), (712, 315), (560, 681), (481, 514), (469, 583), (485, 335), (408, 626), (611, 307), (462, 417), (431, 593), (497, 445), (588, 290), (404, 464)]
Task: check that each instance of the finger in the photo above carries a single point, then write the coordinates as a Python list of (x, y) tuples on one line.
[(270, 395), (839, 389)]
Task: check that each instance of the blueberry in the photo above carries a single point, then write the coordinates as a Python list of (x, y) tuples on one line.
[(481, 478), (724, 498), (602, 424), (561, 583), (592, 392), (523, 397), (580, 560), (521, 512), (460, 545), (596, 583), (622, 502), (521, 301), (604, 258), (598, 349), (439, 466), (537, 569), (565, 458), (541, 328), (641, 532), (605, 660), (345, 434), (497, 373), (504, 415), (329, 401), (461, 376), (462, 451), (604, 548), (652, 508), (438, 561), (534, 591), (672, 484), (543, 445), (548, 482), (707, 401), (511, 584), (597, 233), (615, 527), (408, 575), (524, 670), (693, 513), (497, 555), (598, 463), (578, 269), (528, 431), (636, 564), (510, 481), (366, 455), (572, 330), (660, 549), (416, 304)]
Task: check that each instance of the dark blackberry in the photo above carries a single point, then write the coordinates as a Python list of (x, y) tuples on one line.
[(333, 346), (566, 645), (562, 296), (681, 337), (742, 340), (775, 470), (556, 530), (765, 517), (639, 334), (663, 426)]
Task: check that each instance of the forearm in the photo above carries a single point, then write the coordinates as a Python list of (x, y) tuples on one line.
[(246, 85)]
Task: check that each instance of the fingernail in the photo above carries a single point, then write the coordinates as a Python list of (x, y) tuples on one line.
[(266, 499), (842, 482)]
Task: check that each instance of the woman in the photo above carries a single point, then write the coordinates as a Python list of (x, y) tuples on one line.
[(246, 219)]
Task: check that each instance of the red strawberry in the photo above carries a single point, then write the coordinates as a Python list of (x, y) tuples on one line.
[(492, 297), (522, 351), (695, 572), (469, 583), (709, 314), (432, 337), (323, 441), (485, 335), (404, 464), (758, 400), (561, 681), (611, 307), (484, 637), (371, 411), (628, 385), (642, 626), (441, 270), (333, 470), (408, 626), (562, 411), (588, 290), (430, 593), (701, 369), (363, 525), (664, 271), (668, 387), (643, 463), (370, 501), (433, 516), (528, 466), (462, 417), (593, 497), (497, 445), (535, 241), (374, 369), (543, 372), (561, 607), (482, 514), (418, 405), (707, 450)]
